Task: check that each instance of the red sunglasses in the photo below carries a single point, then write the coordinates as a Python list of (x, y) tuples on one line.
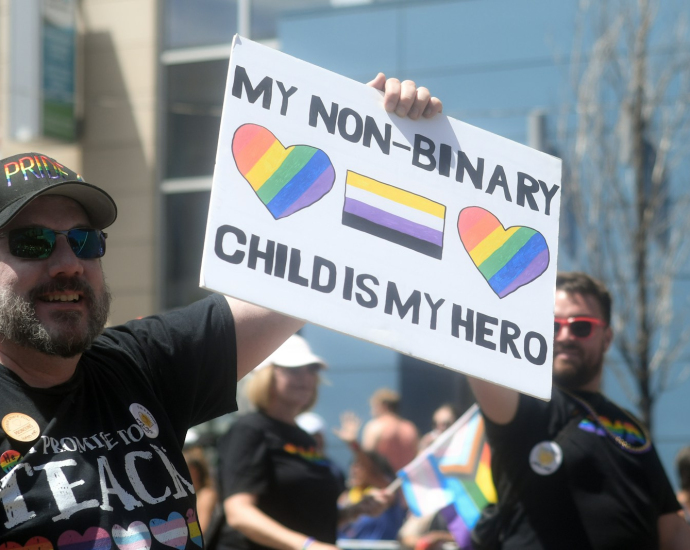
[(579, 327)]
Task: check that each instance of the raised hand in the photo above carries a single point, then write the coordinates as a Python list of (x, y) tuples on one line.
[(405, 98)]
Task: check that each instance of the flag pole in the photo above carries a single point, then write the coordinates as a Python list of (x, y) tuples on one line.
[(394, 486)]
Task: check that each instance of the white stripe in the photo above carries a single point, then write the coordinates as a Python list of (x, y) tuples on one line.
[(428, 492), (392, 207), (173, 534)]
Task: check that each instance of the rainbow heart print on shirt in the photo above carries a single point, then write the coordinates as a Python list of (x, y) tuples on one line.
[(286, 179), (94, 538), (34, 543), (9, 459), (394, 214), (506, 258)]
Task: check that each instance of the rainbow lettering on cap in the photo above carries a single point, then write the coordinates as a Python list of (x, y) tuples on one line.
[(394, 215), (39, 166)]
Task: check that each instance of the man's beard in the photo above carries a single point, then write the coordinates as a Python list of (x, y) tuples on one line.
[(578, 375), (20, 325)]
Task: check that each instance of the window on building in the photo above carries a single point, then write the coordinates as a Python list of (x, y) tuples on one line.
[(194, 104), (185, 226), (191, 24)]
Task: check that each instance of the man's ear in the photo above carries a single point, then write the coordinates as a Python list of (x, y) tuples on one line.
[(608, 337)]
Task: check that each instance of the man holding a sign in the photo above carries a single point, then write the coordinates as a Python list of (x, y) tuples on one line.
[(93, 421), (578, 471)]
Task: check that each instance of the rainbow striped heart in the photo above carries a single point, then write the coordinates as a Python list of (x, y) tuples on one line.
[(35, 543), (507, 258), (94, 538), (285, 179)]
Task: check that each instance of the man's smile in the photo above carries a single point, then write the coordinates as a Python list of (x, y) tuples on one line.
[(61, 297)]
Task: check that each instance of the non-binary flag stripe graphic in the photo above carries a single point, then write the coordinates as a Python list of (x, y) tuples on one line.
[(507, 258), (394, 214), (286, 179), (453, 476)]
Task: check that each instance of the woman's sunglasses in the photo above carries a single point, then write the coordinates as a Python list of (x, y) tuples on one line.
[(579, 327), (38, 243)]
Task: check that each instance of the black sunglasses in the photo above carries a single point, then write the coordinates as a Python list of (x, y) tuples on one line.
[(580, 327), (38, 243)]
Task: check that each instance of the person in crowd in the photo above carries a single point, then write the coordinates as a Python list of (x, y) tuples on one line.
[(93, 421), (442, 419), (683, 495), (391, 436), (204, 485), (278, 491), (577, 471), (315, 426), (369, 472), (425, 533)]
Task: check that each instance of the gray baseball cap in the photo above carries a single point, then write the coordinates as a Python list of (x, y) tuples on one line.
[(29, 175)]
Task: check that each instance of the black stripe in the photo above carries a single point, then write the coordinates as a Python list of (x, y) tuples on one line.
[(418, 245)]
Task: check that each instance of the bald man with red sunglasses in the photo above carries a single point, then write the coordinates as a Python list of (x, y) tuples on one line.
[(578, 471)]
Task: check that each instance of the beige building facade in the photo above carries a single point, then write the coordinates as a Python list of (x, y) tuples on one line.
[(117, 120)]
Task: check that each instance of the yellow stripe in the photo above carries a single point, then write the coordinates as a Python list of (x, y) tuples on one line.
[(485, 482), (491, 243), (194, 530), (396, 195), (267, 164)]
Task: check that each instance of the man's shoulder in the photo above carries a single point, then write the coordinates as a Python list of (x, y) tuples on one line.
[(608, 402), (533, 416), (375, 424), (409, 427), (152, 330), (255, 421), (249, 423)]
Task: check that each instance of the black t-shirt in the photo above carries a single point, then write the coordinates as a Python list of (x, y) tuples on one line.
[(107, 468), (279, 464), (577, 487)]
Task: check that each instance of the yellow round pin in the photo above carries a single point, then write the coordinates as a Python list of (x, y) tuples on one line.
[(20, 427)]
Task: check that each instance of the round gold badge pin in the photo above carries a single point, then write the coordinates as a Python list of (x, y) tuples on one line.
[(20, 427)]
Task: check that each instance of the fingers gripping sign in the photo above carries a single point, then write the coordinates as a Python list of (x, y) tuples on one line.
[(405, 98)]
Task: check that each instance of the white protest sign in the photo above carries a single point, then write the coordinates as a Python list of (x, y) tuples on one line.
[(430, 237)]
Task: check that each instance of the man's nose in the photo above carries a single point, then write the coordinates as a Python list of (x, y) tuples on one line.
[(63, 260)]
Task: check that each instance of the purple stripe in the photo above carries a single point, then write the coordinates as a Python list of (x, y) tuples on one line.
[(531, 272), (102, 542), (456, 526), (317, 190), (386, 219)]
